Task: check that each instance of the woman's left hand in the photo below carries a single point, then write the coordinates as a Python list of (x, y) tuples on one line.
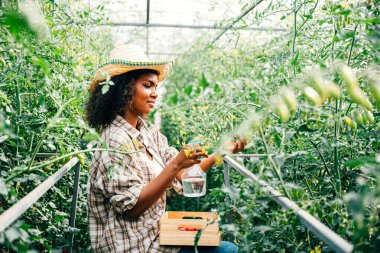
[(236, 146)]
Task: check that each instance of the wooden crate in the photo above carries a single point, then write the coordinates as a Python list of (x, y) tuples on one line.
[(174, 230)]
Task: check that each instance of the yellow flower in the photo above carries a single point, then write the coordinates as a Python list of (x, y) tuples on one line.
[(316, 250), (137, 143), (196, 138), (348, 121), (218, 159), (126, 147), (187, 152)]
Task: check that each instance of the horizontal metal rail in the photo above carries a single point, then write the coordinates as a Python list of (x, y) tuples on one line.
[(250, 155), (210, 27), (18, 209), (319, 229)]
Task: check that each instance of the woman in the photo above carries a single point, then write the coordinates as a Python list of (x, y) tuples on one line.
[(126, 192)]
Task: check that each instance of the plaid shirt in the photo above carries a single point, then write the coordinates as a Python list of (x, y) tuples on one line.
[(115, 183)]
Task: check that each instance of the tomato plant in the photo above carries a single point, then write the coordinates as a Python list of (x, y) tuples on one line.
[(307, 100)]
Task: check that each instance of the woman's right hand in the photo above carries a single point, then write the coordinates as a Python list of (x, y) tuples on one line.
[(181, 161)]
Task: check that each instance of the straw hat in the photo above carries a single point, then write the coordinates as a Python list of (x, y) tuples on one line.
[(127, 58)]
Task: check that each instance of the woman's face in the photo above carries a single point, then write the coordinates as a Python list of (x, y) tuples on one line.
[(145, 95)]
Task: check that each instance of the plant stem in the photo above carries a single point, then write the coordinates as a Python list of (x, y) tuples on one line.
[(18, 101), (37, 167), (44, 134), (322, 158), (274, 166), (294, 35), (338, 106), (308, 16), (352, 45)]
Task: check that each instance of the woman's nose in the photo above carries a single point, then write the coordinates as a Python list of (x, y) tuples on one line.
[(154, 93)]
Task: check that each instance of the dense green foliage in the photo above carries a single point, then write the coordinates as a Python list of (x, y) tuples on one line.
[(326, 155), (329, 162), (44, 77)]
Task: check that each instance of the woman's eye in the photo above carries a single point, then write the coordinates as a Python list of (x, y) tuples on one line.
[(150, 86)]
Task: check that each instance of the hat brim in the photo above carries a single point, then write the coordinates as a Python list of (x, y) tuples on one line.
[(114, 68)]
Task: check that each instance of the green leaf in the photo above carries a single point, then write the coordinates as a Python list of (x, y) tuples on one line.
[(12, 234), (3, 138), (105, 88), (203, 82), (253, 95), (188, 89), (360, 162), (262, 228), (295, 58), (3, 187), (305, 128), (52, 205), (173, 99), (343, 12), (89, 137), (216, 88)]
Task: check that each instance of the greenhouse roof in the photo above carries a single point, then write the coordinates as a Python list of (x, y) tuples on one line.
[(169, 28)]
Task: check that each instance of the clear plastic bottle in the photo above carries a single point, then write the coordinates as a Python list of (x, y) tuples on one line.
[(194, 181)]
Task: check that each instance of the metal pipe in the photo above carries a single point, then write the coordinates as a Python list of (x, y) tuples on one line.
[(190, 26), (15, 211), (164, 53), (147, 28), (250, 155), (147, 11), (73, 213), (319, 229)]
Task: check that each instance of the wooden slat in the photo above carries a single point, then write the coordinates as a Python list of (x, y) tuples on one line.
[(170, 234), (180, 215)]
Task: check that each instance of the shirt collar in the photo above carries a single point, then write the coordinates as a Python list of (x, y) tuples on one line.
[(134, 133), (138, 133)]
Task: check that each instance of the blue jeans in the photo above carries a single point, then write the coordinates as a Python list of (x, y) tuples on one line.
[(225, 247)]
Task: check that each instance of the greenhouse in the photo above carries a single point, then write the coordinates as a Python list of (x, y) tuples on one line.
[(190, 126)]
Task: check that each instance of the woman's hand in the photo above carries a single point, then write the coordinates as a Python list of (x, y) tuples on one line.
[(181, 161), (235, 146), (154, 190)]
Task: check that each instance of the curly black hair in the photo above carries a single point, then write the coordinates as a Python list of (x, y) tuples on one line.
[(101, 109)]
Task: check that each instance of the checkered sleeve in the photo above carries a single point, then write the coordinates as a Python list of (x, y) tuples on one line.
[(121, 183)]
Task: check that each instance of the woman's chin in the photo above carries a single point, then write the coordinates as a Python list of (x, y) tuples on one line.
[(147, 111)]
